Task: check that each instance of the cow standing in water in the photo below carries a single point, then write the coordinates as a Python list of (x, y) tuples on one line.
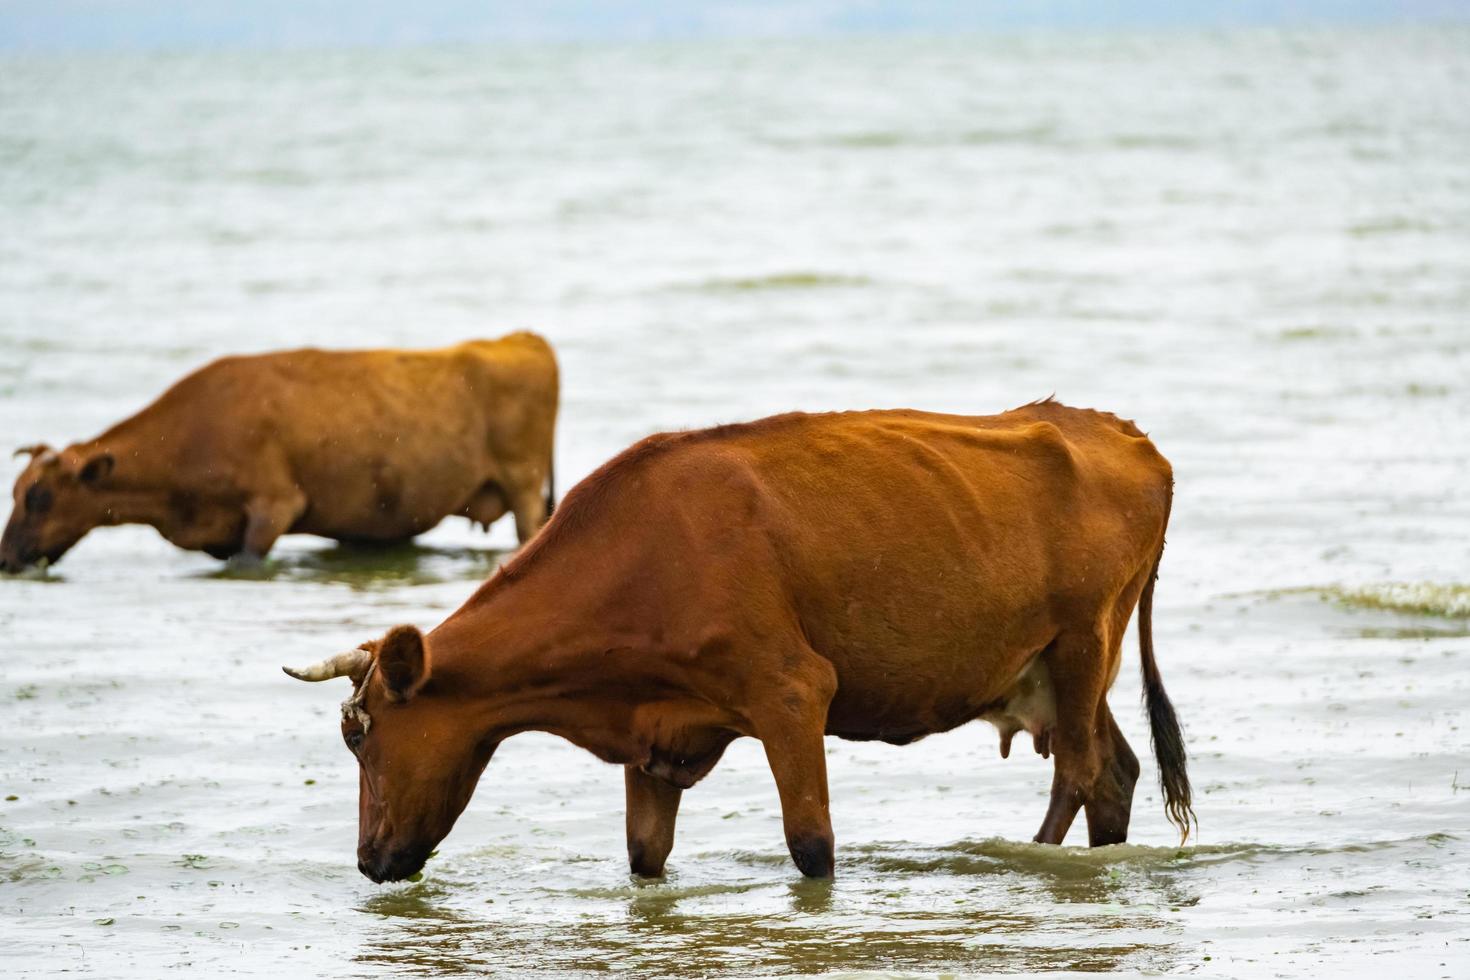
[(870, 575), (366, 446)]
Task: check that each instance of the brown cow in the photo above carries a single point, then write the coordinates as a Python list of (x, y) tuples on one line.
[(870, 575), (375, 445)]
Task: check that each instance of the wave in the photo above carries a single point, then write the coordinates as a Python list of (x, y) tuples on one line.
[(1046, 134), (1393, 225), (1449, 600), (877, 139), (784, 280), (998, 855), (1316, 331)]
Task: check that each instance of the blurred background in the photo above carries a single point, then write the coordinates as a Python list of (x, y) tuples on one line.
[(1246, 226)]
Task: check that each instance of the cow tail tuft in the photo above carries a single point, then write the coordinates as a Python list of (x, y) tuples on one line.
[(1164, 731)]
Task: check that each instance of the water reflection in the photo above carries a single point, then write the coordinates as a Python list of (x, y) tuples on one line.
[(424, 900), (970, 907), (422, 933), (730, 945), (368, 567), (811, 897)]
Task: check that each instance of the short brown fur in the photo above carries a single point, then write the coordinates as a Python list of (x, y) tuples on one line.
[(371, 446), (872, 575)]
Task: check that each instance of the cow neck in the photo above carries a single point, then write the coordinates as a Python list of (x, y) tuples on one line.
[(534, 663)]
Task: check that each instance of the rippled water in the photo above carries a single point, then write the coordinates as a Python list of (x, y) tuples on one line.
[(1258, 245)]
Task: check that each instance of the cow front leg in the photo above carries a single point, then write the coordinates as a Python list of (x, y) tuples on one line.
[(792, 732), (266, 519), (798, 761), (653, 804)]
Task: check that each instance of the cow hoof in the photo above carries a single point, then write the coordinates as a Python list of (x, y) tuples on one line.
[(246, 562), (813, 856), (642, 865)]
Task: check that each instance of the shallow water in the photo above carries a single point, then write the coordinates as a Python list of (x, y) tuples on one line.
[(1255, 244)]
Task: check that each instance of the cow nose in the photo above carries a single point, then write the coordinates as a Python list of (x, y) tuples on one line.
[(18, 559), (369, 872)]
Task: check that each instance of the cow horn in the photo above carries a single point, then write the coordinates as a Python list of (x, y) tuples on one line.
[(32, 450), (349, 664)]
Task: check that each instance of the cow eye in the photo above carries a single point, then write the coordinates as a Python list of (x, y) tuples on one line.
[(38, 499), (354, 739)]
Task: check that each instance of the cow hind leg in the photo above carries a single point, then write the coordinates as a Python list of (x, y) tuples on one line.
[(653, 805), (529, 506), (1079, 678), (1110, 801)]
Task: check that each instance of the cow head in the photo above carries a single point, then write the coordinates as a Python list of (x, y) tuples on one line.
[(420, 750), (58, 499)]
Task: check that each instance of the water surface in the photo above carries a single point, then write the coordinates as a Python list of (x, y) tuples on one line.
[(1255, 244)]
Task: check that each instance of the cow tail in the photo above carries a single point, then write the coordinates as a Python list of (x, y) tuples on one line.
[(550, 486), (1164, 732)]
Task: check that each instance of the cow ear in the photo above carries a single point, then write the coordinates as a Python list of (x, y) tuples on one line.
[(96, 469), (403, 662)]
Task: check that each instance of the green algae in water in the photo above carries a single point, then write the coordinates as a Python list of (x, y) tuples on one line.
[(1440, 600), (1450, 601), (786, 281), (418, 876), (1316, 331)]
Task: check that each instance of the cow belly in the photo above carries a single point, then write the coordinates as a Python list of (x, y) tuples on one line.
[(368, 524), (385, 502), (905, 712)]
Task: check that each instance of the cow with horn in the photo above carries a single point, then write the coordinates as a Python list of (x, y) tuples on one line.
[(870, 575)]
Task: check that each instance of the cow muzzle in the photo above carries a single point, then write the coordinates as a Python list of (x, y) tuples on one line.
[(15, 558), (392, 865), (15, 563), (21, 547)]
